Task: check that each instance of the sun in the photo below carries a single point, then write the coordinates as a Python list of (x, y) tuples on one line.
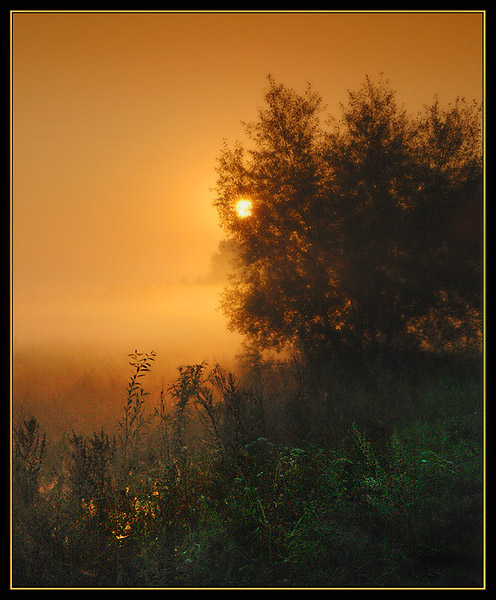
[(243, 208)]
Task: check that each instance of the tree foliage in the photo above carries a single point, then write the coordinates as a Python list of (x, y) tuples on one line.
[(365, 230)]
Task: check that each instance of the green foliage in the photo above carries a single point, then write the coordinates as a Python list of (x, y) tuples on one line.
[(400, 509)]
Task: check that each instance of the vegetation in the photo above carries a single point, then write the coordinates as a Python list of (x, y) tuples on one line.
[(364, 235), (261, 482), (347, 450)]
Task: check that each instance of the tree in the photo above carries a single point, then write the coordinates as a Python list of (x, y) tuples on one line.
[(353, 236), (221, 262)]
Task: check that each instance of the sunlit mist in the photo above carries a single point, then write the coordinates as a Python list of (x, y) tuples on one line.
[(118, 119), (247, 316)]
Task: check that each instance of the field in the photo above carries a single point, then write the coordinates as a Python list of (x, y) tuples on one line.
[(272, 477)]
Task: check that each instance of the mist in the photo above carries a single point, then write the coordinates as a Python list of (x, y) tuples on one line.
[(118, 122), (70, 354)]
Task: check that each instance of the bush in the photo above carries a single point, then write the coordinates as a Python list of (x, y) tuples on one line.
[(29, 452), (231, 508)]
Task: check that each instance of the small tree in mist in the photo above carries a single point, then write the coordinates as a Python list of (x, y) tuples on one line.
[(222, 262), (359, 230)]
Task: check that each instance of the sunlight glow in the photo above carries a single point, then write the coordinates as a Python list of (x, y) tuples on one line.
[(243, 208)]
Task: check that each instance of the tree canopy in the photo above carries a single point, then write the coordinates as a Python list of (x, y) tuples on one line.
[(365, 234)]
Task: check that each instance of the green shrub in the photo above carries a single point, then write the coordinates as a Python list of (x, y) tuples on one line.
[(234, 509)]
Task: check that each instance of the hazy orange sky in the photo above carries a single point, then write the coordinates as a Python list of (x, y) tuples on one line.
[(118, 119)]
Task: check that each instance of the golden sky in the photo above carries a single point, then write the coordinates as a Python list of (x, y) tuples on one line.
[(118, 120)]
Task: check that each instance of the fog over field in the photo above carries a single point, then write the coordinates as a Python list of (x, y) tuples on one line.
[(70, 354), (118, 123)]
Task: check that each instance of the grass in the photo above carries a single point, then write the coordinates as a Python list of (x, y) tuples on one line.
[(220, 485)]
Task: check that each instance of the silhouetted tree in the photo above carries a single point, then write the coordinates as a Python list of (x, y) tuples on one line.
[(221, 262), (359, 230)]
